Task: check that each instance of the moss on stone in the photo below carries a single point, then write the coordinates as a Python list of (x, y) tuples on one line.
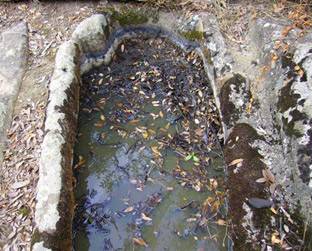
[(36, 237), (193, 35), (126, 16), (207, 54)]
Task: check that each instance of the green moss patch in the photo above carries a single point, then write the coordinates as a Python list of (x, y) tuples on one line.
[(127, 17), (193, 35)]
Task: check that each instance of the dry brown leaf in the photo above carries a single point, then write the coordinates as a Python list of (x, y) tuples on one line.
[(133, 122), (235, 162), (128, 209), (272, 188), (221, 222), (146, 218), (261, 180), (273, 210), (20, 184), (268, 175), (140, 242), (275, 239)]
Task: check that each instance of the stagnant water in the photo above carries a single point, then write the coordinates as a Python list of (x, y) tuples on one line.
[(150, 172)]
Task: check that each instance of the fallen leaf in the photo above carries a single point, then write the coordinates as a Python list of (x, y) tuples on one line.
[(134, 121), (145, 134), (268, 175), (146, 218), (128, 209), (200, 93), (221, 222), (20, 184), (191, 219), (235, 162), (275, 239), (140, 242), (261, 180), (273, 210)]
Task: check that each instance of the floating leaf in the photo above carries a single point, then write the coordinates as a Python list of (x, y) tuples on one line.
[(146, 218), (275, 239), (128, 209), (155, 150), (286, 228), (200, 93), (273, 210), (196, 159), (140, 242), (191, 219), (197, 187), (134, 121), (145, 134), (221, 222), (188, 157)]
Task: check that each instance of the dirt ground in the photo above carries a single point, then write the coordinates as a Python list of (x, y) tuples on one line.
[(51, 23)]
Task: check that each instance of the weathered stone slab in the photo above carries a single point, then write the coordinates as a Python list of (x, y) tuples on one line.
[(13, 61), (54, 208), (271, 99), (55, 200)]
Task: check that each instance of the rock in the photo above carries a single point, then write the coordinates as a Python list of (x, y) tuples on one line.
[(54, 207), (193, 23), (91, 33), (40, 247), (259, 203), (13, 61)]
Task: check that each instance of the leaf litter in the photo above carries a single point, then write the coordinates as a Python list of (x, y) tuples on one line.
[(19, 176), (165, 108)]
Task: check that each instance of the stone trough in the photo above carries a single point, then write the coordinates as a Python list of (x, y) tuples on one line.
[(261, 141)]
